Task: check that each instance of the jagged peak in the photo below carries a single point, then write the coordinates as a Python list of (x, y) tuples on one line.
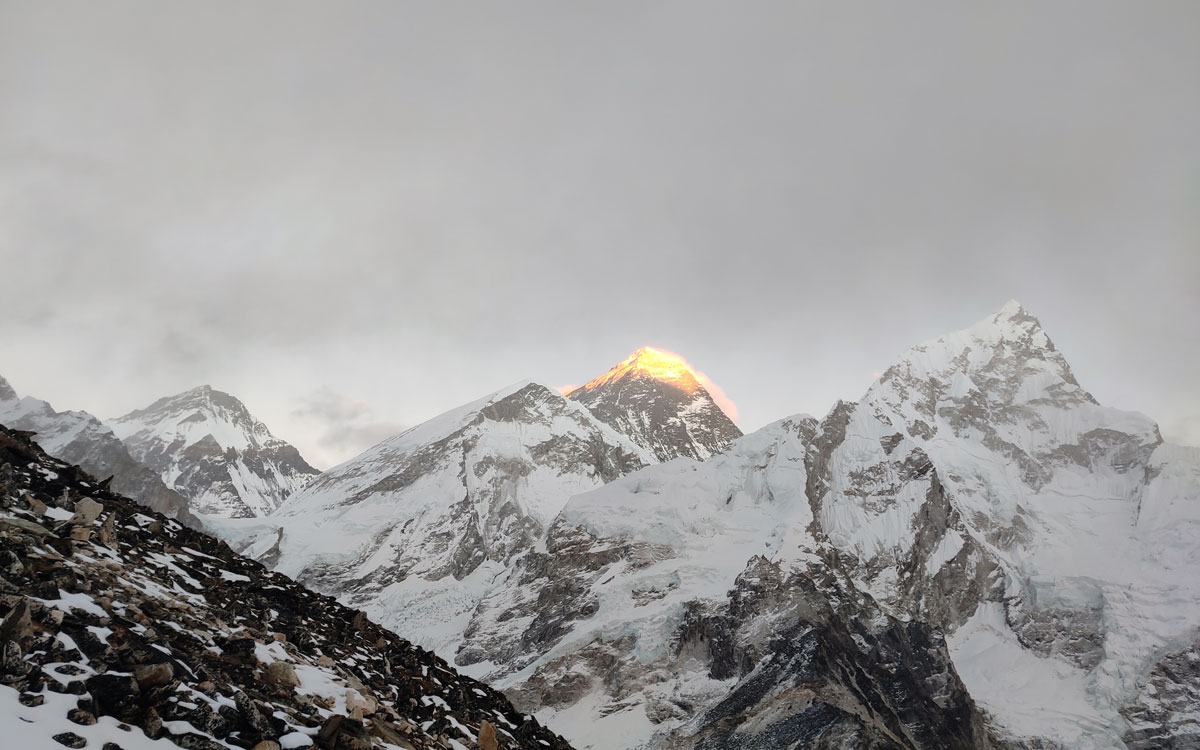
[(652, 363), (201, 397), (6, 391)]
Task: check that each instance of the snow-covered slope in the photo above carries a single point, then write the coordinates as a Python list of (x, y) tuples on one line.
[(978, 470), (80, 438), (207, 446), (654, 617), (655, 399), (976, 490), (415, 529)]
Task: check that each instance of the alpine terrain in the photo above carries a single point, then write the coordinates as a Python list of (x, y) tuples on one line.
[(415, 530), (208, 447), (656, 400), (975, 553), (122, 630), (80, 438)]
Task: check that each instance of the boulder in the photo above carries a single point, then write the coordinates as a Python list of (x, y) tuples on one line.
[(153, 675), (487, 736), (115, 695), (87, 511), (281, 673)]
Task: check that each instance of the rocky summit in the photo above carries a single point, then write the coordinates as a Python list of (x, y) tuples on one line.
[(207, 446), (120, 627), (659, 402)]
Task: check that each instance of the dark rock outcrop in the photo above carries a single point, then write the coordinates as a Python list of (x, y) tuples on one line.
[(167, 630)]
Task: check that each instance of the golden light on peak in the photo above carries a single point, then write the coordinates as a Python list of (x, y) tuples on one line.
[(666, 367)]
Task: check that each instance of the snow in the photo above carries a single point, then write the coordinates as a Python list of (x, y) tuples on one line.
[(1027, 695), (32, 728), (476, 481)]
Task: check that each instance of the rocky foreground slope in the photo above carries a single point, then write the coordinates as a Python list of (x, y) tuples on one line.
[(120, 627)]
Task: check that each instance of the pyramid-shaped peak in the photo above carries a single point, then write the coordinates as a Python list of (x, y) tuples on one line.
[(652, 363), (6, 391), (1012, 322)]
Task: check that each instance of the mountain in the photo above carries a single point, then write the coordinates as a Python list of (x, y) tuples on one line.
[(980, 488), (208, 447), (975, 553), (656, 400), (80, 438), (415, 529), (122, 629)]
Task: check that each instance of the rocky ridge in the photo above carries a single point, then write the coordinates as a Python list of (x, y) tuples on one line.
[(977, 522), (120, 626), (415, 530), (206, 445), (656, 400)]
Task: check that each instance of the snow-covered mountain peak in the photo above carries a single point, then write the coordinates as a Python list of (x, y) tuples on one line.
[(207, 445), (416, 528), (655, 364), (197, 414), (6, 391), (657, 399)]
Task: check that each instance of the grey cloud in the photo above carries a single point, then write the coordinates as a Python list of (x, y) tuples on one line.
[(344, 426), (421, 203)]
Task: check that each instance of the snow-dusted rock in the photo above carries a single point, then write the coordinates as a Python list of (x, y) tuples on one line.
[(208, 447), (656, 400), (415, 530)]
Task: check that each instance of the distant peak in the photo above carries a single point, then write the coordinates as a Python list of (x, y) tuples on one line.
[(6, 391), (656, 364)]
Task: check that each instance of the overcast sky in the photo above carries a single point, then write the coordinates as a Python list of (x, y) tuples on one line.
[(354, 216)]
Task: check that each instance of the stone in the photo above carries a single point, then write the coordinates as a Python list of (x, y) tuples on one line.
[(87, 511), (267, 745), (281, 673), (153, 675), (81, 533), (389, 734), (487, 736), (37, 507), (364, 704), (10, 563), (251, 715), (81, 717), (115, 695), (152, 724), (327, 735), (324, 661), (108, 530), (342, 733), (70, 739), (17, 625)]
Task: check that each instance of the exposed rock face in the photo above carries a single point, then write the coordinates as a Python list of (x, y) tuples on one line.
[(643, 610), (80, 438), (207, 446), (976, 490), (165, 633), (657, 401), (415, 530)]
